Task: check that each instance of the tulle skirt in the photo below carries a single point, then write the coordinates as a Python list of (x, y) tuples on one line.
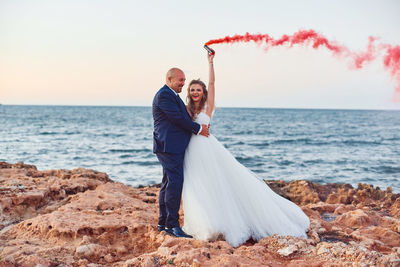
[(222, 197)]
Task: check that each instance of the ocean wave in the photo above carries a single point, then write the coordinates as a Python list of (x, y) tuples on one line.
[(126, 156), (140, 163), (129, 150), (392, 139), (290, 141), (285, 162), (112, 135), (258, 170), (319, 142), (255, 164), (238, 143), (243, 159), (260, 144), (386, 169), (48, 133), (313, 161), (72, 133), (147, 156), (360, 142), (245, 132)]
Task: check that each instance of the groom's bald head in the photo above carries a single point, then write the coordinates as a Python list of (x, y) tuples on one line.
[(173, 72), (175, 79)]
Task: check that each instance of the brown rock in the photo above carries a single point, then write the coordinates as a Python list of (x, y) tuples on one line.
[(91, 252), (395, 208), (24, 196), (388, 238), (343, 209), (300, 192), (355, 219), (81, 218)]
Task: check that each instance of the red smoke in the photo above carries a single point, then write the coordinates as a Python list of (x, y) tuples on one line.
[(367, 56), (299, 37), (391, 59)]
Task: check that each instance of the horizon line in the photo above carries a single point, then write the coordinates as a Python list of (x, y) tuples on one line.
[(305, 108)]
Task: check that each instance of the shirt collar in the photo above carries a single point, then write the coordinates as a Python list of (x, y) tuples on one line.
[(171, 89)]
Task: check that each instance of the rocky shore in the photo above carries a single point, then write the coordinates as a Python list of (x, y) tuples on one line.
[(81, 218)]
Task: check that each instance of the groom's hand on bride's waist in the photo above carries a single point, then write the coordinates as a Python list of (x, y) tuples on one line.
[(205, 130)]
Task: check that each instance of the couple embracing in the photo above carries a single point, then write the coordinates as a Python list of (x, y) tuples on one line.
[(221, 198)]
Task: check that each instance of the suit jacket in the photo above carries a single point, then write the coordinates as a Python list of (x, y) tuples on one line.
[(173, 126)]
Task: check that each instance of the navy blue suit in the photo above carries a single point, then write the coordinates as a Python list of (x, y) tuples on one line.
[(173, 128)]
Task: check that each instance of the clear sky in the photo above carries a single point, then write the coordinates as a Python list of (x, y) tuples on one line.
[(81, 52)]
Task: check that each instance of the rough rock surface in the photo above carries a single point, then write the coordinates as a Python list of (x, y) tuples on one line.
[(82, 218)]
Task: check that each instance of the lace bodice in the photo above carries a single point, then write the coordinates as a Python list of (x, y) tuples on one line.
[(202, 118)]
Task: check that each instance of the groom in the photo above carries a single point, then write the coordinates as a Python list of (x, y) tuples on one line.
[(173, 128)]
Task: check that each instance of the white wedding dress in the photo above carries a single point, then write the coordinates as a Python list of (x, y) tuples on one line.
[(222, 197)]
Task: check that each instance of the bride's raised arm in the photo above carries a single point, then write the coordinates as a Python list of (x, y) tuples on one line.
[(211, 86)]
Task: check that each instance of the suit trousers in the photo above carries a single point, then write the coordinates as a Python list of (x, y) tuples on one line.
[(171, 188)]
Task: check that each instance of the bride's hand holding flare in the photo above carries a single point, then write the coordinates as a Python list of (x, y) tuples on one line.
[(211, 85)]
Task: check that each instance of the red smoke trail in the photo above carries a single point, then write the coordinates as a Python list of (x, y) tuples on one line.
[(300, 37), (367, 56), (391, 59)]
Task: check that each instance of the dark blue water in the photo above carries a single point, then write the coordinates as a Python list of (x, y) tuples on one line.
[(345, 146)]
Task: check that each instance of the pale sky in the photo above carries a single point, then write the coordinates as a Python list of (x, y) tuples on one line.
[(97, 52)]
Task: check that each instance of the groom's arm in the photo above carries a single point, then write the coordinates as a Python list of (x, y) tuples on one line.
[(168, 105)]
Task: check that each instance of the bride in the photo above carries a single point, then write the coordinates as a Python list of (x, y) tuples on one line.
[(221, 196)]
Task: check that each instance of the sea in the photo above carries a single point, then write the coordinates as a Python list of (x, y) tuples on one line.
[(320, 145)]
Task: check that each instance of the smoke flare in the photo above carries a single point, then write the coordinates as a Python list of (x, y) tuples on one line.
[(391, 58)]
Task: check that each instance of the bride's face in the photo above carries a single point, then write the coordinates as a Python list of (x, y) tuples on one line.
[(196, 92)]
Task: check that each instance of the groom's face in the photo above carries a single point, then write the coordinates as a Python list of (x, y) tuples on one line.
[(178, 81)]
